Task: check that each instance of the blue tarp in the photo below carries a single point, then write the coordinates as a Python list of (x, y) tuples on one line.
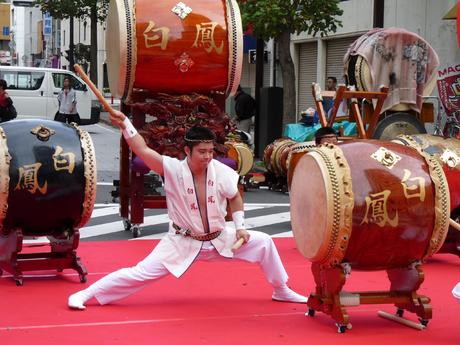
[(299, 132)]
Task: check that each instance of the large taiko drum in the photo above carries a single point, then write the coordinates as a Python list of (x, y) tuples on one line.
[(242, 155), (174, 47), (47, 177), (366, 51), (372, 204), (402, 61)]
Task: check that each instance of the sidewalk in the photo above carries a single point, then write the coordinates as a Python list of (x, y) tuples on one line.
[(115, 104)]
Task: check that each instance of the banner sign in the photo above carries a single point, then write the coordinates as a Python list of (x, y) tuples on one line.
[(449, 88)]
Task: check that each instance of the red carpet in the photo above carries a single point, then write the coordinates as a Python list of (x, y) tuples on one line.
[(214, 303)]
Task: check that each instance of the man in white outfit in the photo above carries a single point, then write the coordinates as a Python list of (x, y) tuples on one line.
[(197, 190)]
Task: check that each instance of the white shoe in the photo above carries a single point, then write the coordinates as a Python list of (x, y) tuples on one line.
[(456, 292), (76, 301), (285, 294)]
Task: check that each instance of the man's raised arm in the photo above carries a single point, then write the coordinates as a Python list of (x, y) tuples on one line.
[(135, 141)]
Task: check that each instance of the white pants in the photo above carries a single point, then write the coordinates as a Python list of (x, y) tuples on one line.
[(244, 125), (126, 281)]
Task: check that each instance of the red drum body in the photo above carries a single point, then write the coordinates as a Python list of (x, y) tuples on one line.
[(171, 47), (447, 152), (372, 204)]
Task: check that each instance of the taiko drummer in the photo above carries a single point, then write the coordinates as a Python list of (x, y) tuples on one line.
[(197, 190)]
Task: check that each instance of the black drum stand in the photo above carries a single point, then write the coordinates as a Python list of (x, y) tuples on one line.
[(62, 255)]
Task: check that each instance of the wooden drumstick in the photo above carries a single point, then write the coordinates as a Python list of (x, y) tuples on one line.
[(93, 87), (238, 244), (401, 320), (454, 224)]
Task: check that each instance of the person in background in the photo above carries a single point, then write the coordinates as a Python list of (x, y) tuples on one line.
[(328, 102), (67, 99), (7, 110), (326, 135), (245, 108)]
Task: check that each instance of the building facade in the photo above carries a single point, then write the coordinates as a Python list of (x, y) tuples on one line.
[(318, 58)]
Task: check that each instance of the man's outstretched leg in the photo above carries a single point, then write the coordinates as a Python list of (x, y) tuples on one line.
[(262, 249), (120, 284)]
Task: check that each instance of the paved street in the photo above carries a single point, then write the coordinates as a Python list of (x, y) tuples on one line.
[(265, 210)]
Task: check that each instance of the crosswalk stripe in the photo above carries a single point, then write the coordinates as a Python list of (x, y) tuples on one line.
[(284, 234), (253, 222), (116, 226), (107, 228), (107, 211)]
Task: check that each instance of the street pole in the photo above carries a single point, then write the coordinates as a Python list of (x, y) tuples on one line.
[(260, 47)]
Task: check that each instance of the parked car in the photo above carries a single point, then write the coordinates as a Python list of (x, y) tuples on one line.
[(34, 93)]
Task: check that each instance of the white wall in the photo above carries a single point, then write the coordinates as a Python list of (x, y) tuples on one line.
[(80, 37), (19, 34), (424, 17), (32, 16)]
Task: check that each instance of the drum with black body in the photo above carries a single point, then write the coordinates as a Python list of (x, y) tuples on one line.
[(47, 188), (52, 177)]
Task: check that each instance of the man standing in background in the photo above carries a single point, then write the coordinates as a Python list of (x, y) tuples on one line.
[(245, 108)]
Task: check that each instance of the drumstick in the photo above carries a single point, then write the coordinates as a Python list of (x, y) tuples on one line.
[(454, 224), (401, 320), (238, 244), (93, 87)]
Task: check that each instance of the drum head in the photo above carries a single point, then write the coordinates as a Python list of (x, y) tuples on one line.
[(120, 45), (311, 217), (295, 153), (397, 124), (234, 154), (246, 159), (359, 73)]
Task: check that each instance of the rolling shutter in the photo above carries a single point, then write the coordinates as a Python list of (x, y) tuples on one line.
[(308, 57), (335, 52)]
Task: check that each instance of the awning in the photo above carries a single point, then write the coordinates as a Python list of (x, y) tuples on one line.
[(452, 14)]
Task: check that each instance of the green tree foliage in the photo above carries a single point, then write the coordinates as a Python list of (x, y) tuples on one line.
[(278, 19)]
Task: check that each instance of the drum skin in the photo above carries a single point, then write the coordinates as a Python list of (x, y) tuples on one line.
[(348, 207), (242, 155), (276, 155), (151, 47), (51, 182), (447, 152), (295, 153)]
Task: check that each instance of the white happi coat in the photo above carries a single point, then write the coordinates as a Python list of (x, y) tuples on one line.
[(176, 251)]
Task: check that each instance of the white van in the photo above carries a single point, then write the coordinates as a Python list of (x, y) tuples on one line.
[(34, 93)]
